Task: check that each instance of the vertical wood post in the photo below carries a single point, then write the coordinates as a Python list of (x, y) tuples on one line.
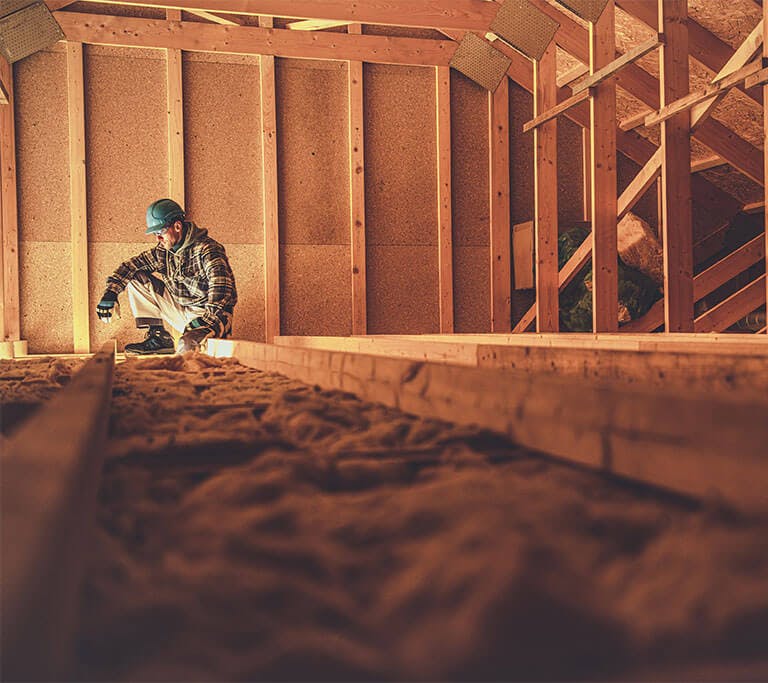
[(677, 232), (444, 215), (500, 219), (175, 118), (78, 198), (9, 258), (602, 107), (269, 192), (586, 174), (357, 193), (545, 193), (765, 148)]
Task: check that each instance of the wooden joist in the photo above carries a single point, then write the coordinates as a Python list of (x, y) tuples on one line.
[(51, 469), (545, 195), (269, 192), (202, 37), (175, 100), (734, 308), (315, 24), (468, 15), (499, 214), (647, 434), (357, 239), (572, 74), (619, 63), (215, 18), (556, 110), (444, 197)]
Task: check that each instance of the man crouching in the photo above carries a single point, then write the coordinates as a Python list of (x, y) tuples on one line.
[(184, 281)]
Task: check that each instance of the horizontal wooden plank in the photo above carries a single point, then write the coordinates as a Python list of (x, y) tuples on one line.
[(734, 308), (619, 63), (51, 468), (561, 108), (655, 436), (453, 14), (198, 37)]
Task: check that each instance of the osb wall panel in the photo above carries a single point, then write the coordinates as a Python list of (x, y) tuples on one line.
[(400, 155), (569, 163), (126, 141), (469, 162), (45, 283), (402, 290), (315, 290), (471, 289), (42, 147), (313, 158), (222, 149), (247, 261)]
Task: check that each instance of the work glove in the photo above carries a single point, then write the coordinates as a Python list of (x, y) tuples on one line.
[(194, 335), (107, 305)]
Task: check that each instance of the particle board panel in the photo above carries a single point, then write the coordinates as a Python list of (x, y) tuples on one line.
[(247, 261), (42, 151), (117, 10), (471, 289), (469, 163), (570, 173), (402, 32), (315, 291), (520, 154), (402, 289), (400, 155), (312, 154), (126, 142), (45, 279), (222, 149)]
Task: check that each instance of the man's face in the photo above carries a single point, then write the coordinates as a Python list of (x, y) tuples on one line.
[(170, 235)]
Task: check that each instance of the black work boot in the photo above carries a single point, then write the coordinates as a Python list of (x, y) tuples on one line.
[(157, 341)]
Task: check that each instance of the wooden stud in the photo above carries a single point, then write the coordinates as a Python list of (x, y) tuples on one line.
[(78, 198), (522, 255), (269, 192), (11, 320), (586, 174), (203, 37), (677, 231), (500, 219), (444, 213), (175, 100), (619, 63), (545, 195), (357, 193), (602, 47), (555, 110)]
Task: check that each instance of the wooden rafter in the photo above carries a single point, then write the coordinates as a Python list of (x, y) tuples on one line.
[(468, 15), (734, 308), (192, 36), (215, 18), (9, 226), (315, 24)]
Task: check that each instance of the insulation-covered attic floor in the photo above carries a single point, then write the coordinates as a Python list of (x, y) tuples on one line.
[(255, 528)]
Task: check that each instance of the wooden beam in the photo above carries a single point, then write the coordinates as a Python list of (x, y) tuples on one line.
[(586, 175), (602, 48), (734, 308), (9, 223), (215, 18), (754, 207), (54, 5), (51, 472), (704, 46), (706, 96), (741, 154), (269, 192), (78, 198), (649, 434), (444, 197), (199, 37), (522, 255), (545, 195), (175, 102), (468, 15), (499, 213), (765, 141), (315, 24), (611, 68), (555, 111), (677, 231), (706, 164), (572, 74), (4, 97), (357, 243)]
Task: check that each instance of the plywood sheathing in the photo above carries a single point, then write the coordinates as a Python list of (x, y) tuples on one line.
[(126, 147), (222, 149), (469, 184), (313, 203), (247, 261), (45, 284), (116, 10), (315, 289), (42, 150)]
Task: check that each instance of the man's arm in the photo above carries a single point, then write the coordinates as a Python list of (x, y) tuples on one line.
[(222, 294), (149, 261)]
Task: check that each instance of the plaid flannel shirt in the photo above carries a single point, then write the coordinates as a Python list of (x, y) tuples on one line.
[(197, 275)]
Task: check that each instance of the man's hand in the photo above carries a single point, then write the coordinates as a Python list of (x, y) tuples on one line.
[(105, 307), (194, 335)]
